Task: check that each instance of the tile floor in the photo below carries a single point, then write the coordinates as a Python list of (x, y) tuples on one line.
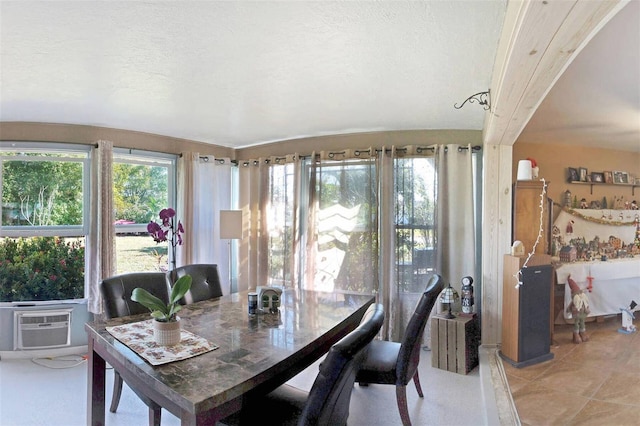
[(32, 394), (592, 383)]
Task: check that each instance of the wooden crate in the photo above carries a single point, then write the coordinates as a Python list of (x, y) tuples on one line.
[(454, 343)]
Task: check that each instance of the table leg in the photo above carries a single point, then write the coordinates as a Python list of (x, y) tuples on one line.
[(95, 387)]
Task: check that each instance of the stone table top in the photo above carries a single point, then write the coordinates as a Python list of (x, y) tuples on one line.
[(255, 353)]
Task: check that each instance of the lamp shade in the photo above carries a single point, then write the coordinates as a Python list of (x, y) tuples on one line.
[(230, 224), (448, 295)]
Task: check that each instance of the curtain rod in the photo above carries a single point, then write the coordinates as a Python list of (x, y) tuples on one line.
[(331, 154), (217, 160), (357, 153)]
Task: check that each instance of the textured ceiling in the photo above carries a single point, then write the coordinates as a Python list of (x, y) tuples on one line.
[(239, 73), (244, 73)]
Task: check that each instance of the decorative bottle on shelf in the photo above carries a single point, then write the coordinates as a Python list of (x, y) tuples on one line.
[(567, 199)]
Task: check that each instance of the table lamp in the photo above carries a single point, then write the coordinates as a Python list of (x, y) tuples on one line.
[(448, 296), (230, 229)]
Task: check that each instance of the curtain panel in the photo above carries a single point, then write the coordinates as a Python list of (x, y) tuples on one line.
[(413, 176), (101, 237), (373, 220), (204, 188), (342, 225), (254, 196)]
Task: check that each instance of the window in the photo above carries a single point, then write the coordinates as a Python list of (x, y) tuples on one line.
[(280, 218), (345, 227), (415, 193), (44, 221), (143, 184)]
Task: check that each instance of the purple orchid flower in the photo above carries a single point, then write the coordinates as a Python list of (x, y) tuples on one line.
[(166, 215), (162, 232)]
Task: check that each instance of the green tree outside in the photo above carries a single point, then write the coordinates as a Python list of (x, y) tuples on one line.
[(41, 193), (139, 191)]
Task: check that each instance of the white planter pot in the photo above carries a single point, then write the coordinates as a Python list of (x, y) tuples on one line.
[(166, 333)]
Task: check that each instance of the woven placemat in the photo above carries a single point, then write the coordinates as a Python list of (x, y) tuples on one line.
[(138, 336)]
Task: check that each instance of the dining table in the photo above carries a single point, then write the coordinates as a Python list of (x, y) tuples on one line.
[(248, 354)]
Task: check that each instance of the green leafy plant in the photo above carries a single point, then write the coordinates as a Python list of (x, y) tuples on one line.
[(41, 268), (164, 312)]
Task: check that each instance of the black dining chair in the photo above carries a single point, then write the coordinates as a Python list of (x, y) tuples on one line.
[(205, 282), (116, 299), (396, 363), (327, 403)]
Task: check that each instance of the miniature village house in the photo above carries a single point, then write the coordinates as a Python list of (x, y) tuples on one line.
[(568, 254)]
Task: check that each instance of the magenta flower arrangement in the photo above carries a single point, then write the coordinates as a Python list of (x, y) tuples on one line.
[(167, 230)]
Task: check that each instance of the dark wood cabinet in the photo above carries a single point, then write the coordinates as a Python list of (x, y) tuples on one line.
[(526, 335)]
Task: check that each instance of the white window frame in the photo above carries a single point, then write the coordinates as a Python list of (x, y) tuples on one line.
[(148, 158), (45, 147)]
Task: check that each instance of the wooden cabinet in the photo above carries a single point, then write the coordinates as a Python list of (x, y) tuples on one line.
[(526, 310), (526, 215)]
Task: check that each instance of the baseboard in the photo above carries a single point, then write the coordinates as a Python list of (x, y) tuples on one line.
[(44, 353), (495, 388)]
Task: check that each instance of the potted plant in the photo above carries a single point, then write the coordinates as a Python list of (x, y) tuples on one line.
[(166, 327)]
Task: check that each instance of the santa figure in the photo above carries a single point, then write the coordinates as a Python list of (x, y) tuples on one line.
[(579, 308)]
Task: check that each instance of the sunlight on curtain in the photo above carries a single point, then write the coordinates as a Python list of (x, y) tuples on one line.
[(414, 178), (342, 238), (282, 220), (253, 200), (363, 221)]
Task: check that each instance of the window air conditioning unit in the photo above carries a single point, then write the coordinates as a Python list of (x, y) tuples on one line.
[(42, 329)]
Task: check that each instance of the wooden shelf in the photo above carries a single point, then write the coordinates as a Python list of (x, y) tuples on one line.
[(632, 185)]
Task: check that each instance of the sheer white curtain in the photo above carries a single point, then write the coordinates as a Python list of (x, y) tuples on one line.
[(342, 222), (369, 220), (282, 218), (427, 225), (407, 241), (100, 242), (204, 188), (254, 196)]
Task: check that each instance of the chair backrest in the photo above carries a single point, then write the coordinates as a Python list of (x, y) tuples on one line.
[(329, 397), (116, 292), (205, 282), (409, 355)]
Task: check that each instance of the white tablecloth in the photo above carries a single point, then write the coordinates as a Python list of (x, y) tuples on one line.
[(615, 283)]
